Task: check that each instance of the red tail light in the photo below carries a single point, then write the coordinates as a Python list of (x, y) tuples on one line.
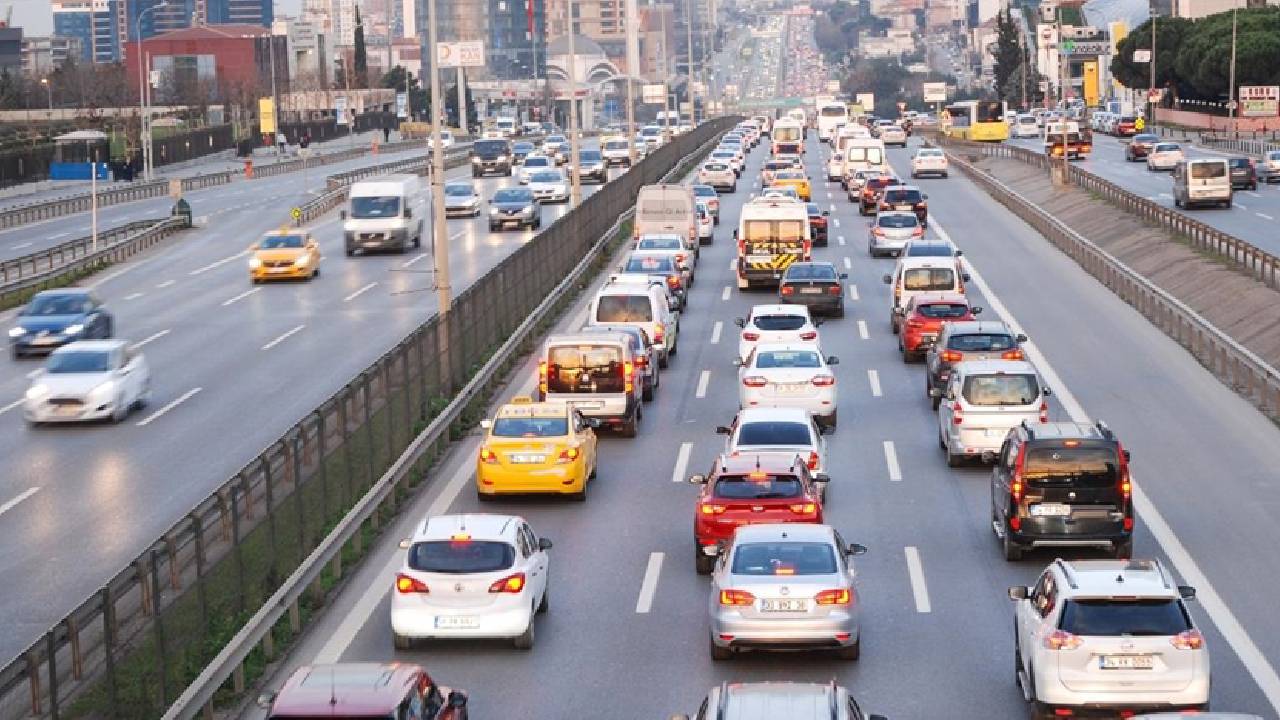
[(841, 596), (1044, 411), (824, 380), (406, 585), (488, 456), (679, 257), (813, 460), (673, 281), (642, 362), (804, 508), (736, 597), (1062, 640), (754, 381), (808, 248), (1014, 354), (658, 331), (788, 290), (877, 231), (835, 289), (1016, 487), (509, 584), (711, 509), (951, 356), (750, 336), (568, 455), (957, 415), (809, 335), (542, 377), (918, 232), (1188, 640)]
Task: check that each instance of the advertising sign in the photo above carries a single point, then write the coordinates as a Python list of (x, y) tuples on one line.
[(267, 116), (402, 105), (460, 54), (1259, 100), (866, 100), (935, 92), (1142, 56), (655, 93), (340, 109), (1077, 47)]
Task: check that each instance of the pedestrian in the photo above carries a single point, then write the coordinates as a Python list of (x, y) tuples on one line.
[(281, 141), (386, 133)]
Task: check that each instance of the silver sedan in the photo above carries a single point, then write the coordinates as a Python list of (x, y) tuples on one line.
[(891, 231), (785, 587), (461, 200)]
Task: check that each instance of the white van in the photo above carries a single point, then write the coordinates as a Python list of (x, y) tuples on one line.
[(916, 275), (863, 154), (506, 126), (389, 212), (983, 401), (1202, 182), (639, 300), (595, 372), (663, 209)]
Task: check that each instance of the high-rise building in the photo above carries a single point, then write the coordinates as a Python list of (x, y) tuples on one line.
[(94, 23), (43, 55), (237, 12), (511, 51)]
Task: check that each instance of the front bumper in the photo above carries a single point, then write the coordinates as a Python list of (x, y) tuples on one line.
[(41, 411), (31, 344), (484, 167), (391, 239), (825, 301), (289, 272), (461, 210)]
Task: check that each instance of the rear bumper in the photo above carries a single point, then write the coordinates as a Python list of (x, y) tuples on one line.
[(489, 623), (1059, 532), (835, 630), (823, 302)]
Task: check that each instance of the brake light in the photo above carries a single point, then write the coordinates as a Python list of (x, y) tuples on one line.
[(711, 509), (824, 380), (642, 362), (813, 460), (509, 584), (754, 381), (542, 377), (488, 456), (1044, 411), (568, 455), (835, 289), (750, 336), (808, 248), (1062, 640), (658, 331), (1015, 354), (918, 232), (1016, 487), (679, 257), (628, 374), (1188, 640), (736, 597), (841, 596), (673, 281), (406, 585), (804, 508), (957, 415), (952, 356), (788, 290), (877, 231)]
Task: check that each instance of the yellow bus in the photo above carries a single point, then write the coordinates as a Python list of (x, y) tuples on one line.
[(977, 120)]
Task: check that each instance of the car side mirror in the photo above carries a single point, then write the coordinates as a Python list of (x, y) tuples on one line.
[(735, 234), (826, 213), (856, 549), (486, 424), (457, 699), (697, 479), (1046, 391), (722, 430), (1020, 338), (833, 360), (958, 253), (924, 196), (737, 362), (976, 310), (408, 212), (844, 276), (965, 277), (1018, 592), (1127, 455), (544, 544), (888, 279), (740, 322), (342, 214), (1187, 592), (405, 543), (266, 700)]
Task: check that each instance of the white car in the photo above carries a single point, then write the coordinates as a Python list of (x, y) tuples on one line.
[(549, 185), (651, 135), (780, 431), (88, 380), (789, 375), (446, 140), (461, 199), (730, 158), (835, 167), (470, 576), (771, 324), (532, 164), (1025, 126), (982, 401), (718, 175), (1165, 156), (706, 224), (929, 161), (893, 135)]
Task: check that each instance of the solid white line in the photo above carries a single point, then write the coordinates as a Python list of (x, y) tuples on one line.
[(218, 263), (733, 265), (862, 330), (682, 462), (1264, 216), (59, 235), (133, 296), (241, 296), (19, 246), (146, 340), (1260, 669), (10, 406), (283, 337), (919, 588), (14, 502), (840, 239), (157, 414), (891, 459), (848, 264), (725, 294), (414, 259), (703, 380), (715, 332), (165, 284), (853, 291), (874, 378), (359, 292), (650, 584)]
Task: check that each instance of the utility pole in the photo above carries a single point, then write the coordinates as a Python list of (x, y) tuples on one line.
[(633, 71), (1151, 91), (439, 228), (575, 179), (688, 68), (462, 100), (1231, 83)]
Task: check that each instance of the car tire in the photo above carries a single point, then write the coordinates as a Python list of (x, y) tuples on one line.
[(351, 252), (484, 497), (702, 563), (839, 312), (629, 427), (852, 652), (718, 653), (492, 228), (524, 641), (1122, 550), (1012, 552), (316, 273), (401, 642), (944, 175), (121, 411), (829, 420)]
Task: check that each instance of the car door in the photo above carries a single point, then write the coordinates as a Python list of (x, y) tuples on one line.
[(946, 406), (131, 371), (539, 563), (1000, 480), (96, 321), (1033, 617)]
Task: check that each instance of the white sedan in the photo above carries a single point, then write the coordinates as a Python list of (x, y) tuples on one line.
[(780, 431), (1165, 156), (533, 164), (929, 161), (549, 186), (89, 380), (789, 375), (776, 324), (706, 224)]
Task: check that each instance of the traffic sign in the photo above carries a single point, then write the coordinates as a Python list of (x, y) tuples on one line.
[(296, 213), (460, 54), (1076, 47), (1142, 56)]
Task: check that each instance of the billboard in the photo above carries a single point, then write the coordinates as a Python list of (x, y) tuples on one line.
[(655, 93), (935, 92), (866, 100), (460, 54), (340, 110), (1259, 100), (267, 116)]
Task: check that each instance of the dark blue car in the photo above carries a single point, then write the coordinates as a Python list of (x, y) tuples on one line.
[(54, 318)]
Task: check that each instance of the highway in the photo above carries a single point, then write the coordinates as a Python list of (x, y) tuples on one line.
[(1254, 216), (626, 635), (234, 365)]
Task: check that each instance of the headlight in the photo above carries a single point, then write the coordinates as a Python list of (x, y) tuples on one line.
[(254, 263), (17, 332), (37, 391), (302, 260), (475, 160), (73, 329), (503, 158), (493, 210), (530, 209)]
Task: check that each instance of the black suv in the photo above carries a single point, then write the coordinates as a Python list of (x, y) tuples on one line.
[(491, 156), (1059, 484)]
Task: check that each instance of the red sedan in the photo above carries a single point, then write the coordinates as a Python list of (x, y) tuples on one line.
[(923, 318)]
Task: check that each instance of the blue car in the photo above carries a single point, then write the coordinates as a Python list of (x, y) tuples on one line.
[(54, 318)]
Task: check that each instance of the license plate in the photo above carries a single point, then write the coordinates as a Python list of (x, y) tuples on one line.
[(1126, 662), (1050, 510), (759, 258), (372, 243), (457, 622), (793, 388), (902, 207), (784, 606), (44, 341), (811, 291), (283, 269), (527, 458)]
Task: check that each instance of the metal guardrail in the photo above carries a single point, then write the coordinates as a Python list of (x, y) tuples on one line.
[(58, 207), (1233, 364), (1241, 254), (123, 650), (340, 184)]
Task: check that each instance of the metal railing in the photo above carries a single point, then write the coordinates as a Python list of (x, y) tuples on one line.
[(58, 207), (1232, 363), (259, 548), (1240, 254)]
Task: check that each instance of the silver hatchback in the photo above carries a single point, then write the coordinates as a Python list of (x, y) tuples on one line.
[(891, 231), (785, 587)]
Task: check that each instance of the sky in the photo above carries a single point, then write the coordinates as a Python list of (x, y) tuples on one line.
[(36, 18)]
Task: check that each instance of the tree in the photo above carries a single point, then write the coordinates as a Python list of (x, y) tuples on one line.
[(1204, 58), (361, 62), (418, 100), (1009, 55), (1170, 34)]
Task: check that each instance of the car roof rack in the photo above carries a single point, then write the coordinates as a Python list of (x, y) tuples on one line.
[(1067, 572)]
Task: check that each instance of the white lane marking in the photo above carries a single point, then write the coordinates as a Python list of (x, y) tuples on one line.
[(59, 235), (159, 413), (218, 263), (715, 332), (1264, 216), (724, 295), (835, 222), (19, 246), (133, 296), (454, 237), (359, 292), (373, 595), (862, 330), (1260, 669), (874, 378), (11, 406), (415, 259), (703, 380), (840, 239), (112, 276), (919, 588), (1242, 206), (151, 338), (283, 337), (853, 291), (241, 296), (682, 462), (891, 460), (733, 265), (165, 284), (14, 502), (848, 264), (650, 584)]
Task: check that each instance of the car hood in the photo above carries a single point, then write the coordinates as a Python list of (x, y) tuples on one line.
[(460, 200), (51, 323), (71, 384), (509, 206)]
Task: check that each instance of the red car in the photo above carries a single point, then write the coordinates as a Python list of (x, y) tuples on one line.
[(364, 690), (1126, 126), (818, 224), (871, 191), (923, 318), (749, 489)]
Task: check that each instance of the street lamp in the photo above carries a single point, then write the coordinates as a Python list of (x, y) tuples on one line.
[(144, 112), (575, 181), (439, 229), (49, 92)]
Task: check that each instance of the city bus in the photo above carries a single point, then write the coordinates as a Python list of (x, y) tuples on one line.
[(977, 120), (831, 114)]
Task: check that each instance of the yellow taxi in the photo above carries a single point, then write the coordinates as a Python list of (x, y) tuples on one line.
[(284, 254), (536, 447), (793, 178)]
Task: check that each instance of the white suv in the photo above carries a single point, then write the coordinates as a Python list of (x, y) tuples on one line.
[(1108, 635)]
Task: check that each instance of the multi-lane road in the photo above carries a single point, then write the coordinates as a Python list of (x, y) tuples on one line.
[(234, 365), (626, 635)]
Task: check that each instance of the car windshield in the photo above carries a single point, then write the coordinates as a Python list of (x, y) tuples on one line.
[(774, 359), (925, 279), (722, 154), (744, 487), (512, 195), (773, 433), (1167, 147), (981, 342), (624, 308), (46, 305), (784, 558), (462, 190), (1208, 170), (272, 242), (996, 390), (805, 271), (1072, 462), (616, 145), (78, 361), (527, 427), (928, 152), (1112, 618), (585, 368), (779, 322), (650, 264), (660, 242), (898, 221), (458, 557), (545, 177), (490, 147), (375, 207), (814, 210), (902, 196)]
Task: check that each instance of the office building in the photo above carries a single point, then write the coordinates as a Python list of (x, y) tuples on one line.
[(95, 23), (213, 61), (43, 55)]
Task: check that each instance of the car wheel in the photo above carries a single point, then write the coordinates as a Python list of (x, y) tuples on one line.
[(492, 228), (830, 420), (852, 652), (719, 653), (1012, 552), (840, 311), (350, 252), (1122, 550), (401, 642), (702, 562), (316, 272), (935, 402), (628, 428), (524, 641)]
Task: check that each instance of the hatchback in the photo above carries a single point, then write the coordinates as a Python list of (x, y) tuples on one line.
[(982, 401), (789, 375), (891, 231)]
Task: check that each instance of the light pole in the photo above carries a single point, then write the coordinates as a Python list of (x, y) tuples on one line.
[(1151, 91), (144, 113), (575, 181), (1231, 82), (633, 71), (440, 231), (48, 89), (688, 68)]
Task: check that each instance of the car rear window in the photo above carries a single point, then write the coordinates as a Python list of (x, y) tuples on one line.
[(1108, 617), (1083, 464), (585, 369), (1208, 170), (1239, 162), (902, 196), (943, 311), (773, 433), (650, 263), (537, 162), (624, 308), (461, 556), (996, 390), (811, 272), (742, 487), (787, 359), (530, 427), (981, 342), (924, 279), (779, 322), (660, 242), (784, 558)]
